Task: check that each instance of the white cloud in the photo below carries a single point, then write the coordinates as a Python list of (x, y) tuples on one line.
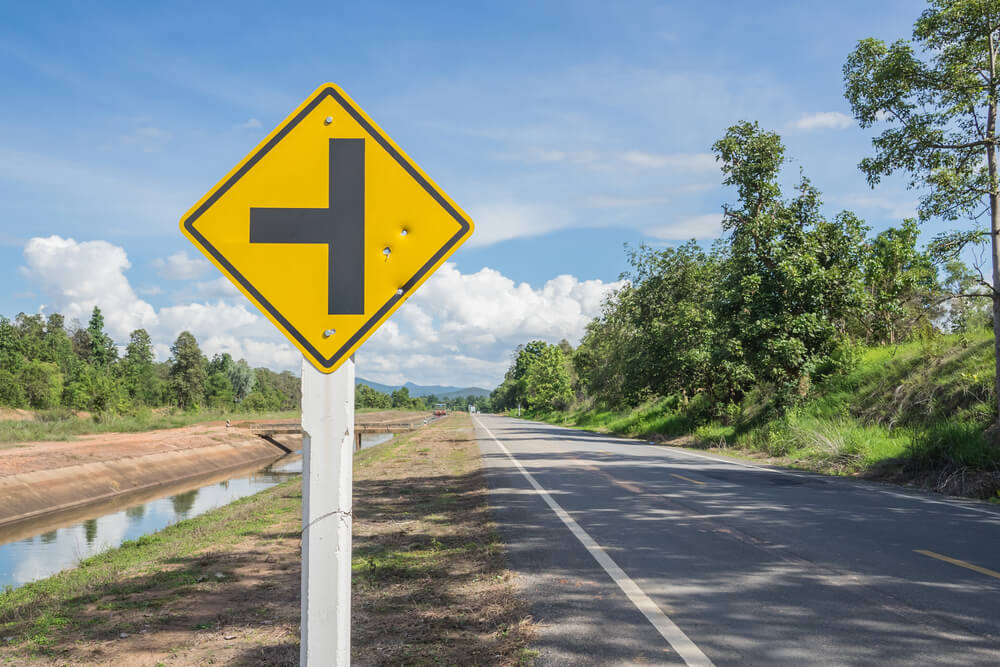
[(459, 329), (251, 124), (501, 221), (832, 120), (687, 162), (707, 226), (181, 267), (76, 276), (220, 288), (467, 325), (79, 276)]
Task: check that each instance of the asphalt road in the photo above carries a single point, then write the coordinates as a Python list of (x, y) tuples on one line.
[(641, 554)]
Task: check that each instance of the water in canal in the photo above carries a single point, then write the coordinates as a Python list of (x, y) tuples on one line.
[(53, 543)]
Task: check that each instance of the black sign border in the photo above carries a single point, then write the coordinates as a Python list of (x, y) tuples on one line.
[(328, 362)]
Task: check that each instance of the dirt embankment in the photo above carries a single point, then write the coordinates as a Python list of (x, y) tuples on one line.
[(42, 477), (39, 478)]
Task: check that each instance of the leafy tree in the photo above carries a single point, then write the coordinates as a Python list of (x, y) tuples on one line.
[(42, 383), (102, 349), (242, 379), (791, 278), (513, 391), (56, 343), (187, 371), (218, 390), (938, 96), (900, 285), (367, 397), (400, 398), (240, 376), (546, 380), (139, 374), (11, 392)]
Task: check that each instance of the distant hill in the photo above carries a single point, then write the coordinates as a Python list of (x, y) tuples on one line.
[(426, 390)]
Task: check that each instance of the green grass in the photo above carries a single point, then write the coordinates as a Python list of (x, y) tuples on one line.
[(924, 404), (64, 425)]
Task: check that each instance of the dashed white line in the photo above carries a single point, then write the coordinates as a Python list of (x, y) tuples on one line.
[(686, 649)]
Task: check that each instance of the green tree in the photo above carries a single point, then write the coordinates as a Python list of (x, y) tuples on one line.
[(400, 398), (138, 372), (42, 383), (102, 349), (513, 390), (938, 96), (187, 371), (791, 279), (546, 380), (900, 284), (218, 390)]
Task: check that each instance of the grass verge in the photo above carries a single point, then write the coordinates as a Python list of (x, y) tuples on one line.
[(429, 583), (911, 414)]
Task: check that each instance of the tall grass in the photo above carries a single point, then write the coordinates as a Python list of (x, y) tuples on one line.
[(925, 403)]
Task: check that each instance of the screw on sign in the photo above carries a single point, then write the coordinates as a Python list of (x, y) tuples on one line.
[(327, 226)]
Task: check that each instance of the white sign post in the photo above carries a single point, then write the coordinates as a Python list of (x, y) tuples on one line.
[(327, 458)]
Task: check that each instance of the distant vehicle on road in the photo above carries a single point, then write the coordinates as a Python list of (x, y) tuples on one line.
[(440, 410)]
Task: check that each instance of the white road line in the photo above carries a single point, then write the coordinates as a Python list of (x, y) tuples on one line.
[(685, 648)]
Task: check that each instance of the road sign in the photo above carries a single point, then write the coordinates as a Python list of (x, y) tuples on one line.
[(327, 226)]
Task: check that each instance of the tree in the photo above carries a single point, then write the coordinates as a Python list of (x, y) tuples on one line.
[(187, 371), (941, 111), (791, 278), (42, 383), (900, 284), (102, 349), (139, 374), (546, 380), (400, 398), (513, 391), (218, 390)]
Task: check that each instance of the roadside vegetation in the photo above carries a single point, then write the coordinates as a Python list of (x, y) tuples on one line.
[(429, 583), (59, 381), (803, 335)]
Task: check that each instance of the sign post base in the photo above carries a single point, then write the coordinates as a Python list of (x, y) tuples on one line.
[(327, 458)]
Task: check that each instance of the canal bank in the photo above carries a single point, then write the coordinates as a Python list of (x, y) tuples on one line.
[(33, 493), (429, 581)]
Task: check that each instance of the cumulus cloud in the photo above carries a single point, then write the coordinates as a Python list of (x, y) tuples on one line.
[(823, 120), (707, 226), (78, 276), (469, 324), (181, 267), (458, 329)]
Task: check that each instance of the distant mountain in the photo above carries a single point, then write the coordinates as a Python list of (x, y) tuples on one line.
[(440, 391)]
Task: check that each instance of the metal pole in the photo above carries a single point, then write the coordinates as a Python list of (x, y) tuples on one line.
[(327, 455)]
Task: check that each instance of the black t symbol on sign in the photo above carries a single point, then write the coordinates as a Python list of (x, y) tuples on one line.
[(341, 227)]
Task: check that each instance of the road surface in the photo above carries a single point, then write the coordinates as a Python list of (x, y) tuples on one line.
[(633, 553)]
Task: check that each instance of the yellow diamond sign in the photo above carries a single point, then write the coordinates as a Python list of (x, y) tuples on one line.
[(327, 226)]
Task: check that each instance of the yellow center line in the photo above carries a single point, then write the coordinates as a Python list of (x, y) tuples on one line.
[(960, 563), (687, 479)]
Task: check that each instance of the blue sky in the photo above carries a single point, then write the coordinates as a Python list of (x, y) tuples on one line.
[(565, 129)]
